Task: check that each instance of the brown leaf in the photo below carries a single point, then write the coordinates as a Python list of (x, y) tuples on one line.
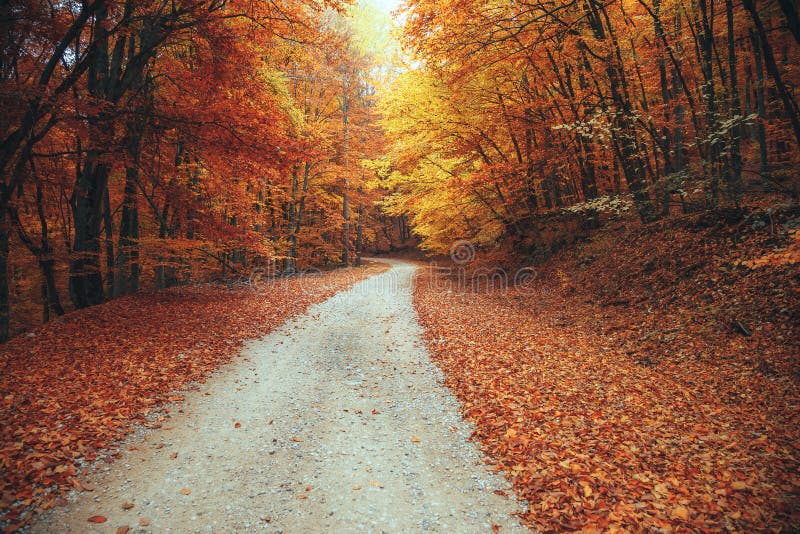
[(186, 491), (127, 505), (680, 512), (123, 529), (415, 439), (97, 519), (144, 522)]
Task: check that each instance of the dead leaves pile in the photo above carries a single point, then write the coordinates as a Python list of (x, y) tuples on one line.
[(600, 427), (75, 386)]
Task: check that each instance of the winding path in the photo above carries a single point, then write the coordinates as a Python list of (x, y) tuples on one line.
[(334, 422)]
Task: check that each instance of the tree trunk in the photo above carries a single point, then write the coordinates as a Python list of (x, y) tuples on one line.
[(359, 235), (4, 294), (86, 279), (761, 132), (769, 59), (108, 226), (735, 170)]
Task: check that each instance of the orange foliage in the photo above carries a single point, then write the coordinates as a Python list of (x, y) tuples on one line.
[(615, 392)]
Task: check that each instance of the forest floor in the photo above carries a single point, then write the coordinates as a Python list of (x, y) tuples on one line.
[(615, 388), (334, 422), (645, 378)]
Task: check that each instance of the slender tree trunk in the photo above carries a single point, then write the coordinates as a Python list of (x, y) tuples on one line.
[(108, 226), (4, 293), (345, 164), (735, 171), (359, 235), (761, 132), (290, 265), (789, 8), (769, 59)]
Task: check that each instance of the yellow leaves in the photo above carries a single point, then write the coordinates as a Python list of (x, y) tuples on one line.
[(739, 485), (186, 491), (680, 512), (415, 439)]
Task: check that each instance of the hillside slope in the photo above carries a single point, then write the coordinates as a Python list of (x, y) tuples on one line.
[(646, 377)]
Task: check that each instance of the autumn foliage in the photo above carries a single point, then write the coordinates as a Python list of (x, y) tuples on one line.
[(153, 144), (616, 390), (511, 112)]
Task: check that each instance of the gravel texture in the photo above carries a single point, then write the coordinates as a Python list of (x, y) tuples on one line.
[(335, 422)]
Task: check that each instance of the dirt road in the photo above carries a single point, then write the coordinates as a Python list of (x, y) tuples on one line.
[(335, 422)]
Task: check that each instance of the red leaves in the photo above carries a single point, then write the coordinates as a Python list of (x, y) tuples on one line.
[(82, 381), (595, 439), (97, 519)]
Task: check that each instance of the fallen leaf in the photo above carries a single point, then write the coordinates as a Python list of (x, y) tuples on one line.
[(123, 529), (680, 512), (186, 491), (297, 440), (127, 505), (415, 439), (144, 522), (739, 485), (309, 488), (302, 496), (375, 412), (237, 425), (97, 519), (173, 455), (357, 487), (267, 518)]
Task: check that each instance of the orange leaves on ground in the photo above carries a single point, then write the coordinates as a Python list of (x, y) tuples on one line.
[(599, 427), (77, 385), (97, 519)]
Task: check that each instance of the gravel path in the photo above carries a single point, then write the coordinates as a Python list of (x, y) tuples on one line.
[(335, 422)]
